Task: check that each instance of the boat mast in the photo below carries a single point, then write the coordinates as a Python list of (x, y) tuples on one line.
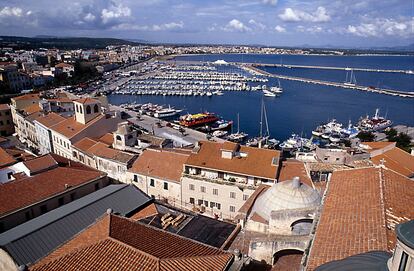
[(238, 123), (261, 120), (267, 124)]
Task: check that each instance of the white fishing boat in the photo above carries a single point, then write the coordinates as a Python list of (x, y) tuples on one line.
[(350, 80), (239, 136), (268, 93), (220, 133)]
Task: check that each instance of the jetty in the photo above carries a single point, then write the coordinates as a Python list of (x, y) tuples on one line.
[(405, 94)]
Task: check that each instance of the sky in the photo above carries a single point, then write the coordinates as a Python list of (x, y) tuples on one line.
[(344, 23)]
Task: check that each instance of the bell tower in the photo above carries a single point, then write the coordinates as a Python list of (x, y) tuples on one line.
[(86, 109)]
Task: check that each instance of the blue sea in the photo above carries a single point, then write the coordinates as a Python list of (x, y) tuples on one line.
[(303, 106)]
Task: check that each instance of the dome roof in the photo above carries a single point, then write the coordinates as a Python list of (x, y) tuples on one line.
[(284, 196)]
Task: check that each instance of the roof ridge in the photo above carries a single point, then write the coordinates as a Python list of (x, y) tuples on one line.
[(382, 202), (131, 247), (196, 257), (385, 154)]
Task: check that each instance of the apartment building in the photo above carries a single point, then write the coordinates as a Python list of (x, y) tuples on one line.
[(43, 132), (89, 121), (158, 173), (6, 120), (220, 177)]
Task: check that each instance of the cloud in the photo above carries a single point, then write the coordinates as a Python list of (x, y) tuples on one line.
[(383, 27), (114, 11), (236, 26), (172, 26), (11, 12), (270, 2), (293, 15), (257, 24), (280, 29)]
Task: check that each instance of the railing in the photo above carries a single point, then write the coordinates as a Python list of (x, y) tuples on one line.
[(220, 181)]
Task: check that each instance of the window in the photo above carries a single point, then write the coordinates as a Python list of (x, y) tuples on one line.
[(403, 262), (7, 113), (191, 186), (61, 201), (218, 206), (212, 204), (245, 197), (136, 178), (9, 175), (43, 209), (96, 186), (72, 196), (200, 202), (215, 191), (95, 108), (202, 189), (152, 183), (165, 186), (1, 123), (192, 200), (88, 109), (118, 137), (232, 195), (206, 203), (80, 110), (232, 208)]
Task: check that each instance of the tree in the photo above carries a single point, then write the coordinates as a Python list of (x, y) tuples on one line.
[(366, 136), (391, 134)]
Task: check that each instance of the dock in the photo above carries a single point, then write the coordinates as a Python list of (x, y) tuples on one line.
[(405, 94), (187, 138)]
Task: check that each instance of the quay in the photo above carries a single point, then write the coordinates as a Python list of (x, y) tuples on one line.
[(180, 139), (399, 93)]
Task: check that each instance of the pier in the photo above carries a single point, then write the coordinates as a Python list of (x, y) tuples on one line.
[(392, 92)]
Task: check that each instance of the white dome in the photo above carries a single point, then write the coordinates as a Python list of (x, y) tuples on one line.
[(284, 196)]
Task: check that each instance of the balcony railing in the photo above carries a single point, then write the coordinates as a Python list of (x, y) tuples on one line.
[(221, 181)]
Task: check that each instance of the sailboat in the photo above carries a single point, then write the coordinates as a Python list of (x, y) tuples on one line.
[(239, 136), (277, 89), (261, 140), (351, 81)]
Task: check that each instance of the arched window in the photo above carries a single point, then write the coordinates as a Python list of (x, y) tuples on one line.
[(77, 108), (95, 108), (88, 109), (80, 110), (118, 137)]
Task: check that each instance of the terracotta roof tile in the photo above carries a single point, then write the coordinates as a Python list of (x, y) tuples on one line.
[(150, 210), (102, 150), (107, 138), (5, 158), (41, 163), (50, 119), (397, 160), (33, 108), (84, 144), (70, 127), (360, 211), (4, 107), (20, 193), (130, 245), (377, 145), (34, 96), (256, 217), (293, 168), (87, 101), (258, 163), (162, 164)]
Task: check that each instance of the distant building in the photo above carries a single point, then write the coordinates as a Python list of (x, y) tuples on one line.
[(66, 68), (44, 133), (6, 121), (42, 184)]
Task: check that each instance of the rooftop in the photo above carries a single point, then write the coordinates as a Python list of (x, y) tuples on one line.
[(70, 127), (4, 107), (5, 158), (166, 165), (41, 186), (50, 119), (360, 212), (257, 162), (34, 96), (31, 241), (129, 245), (87, 101), (41, 163), (293, 168)]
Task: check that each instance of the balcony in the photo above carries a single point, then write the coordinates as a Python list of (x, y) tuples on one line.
[(241, 186)]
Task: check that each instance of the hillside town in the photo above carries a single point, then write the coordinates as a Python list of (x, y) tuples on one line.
[(83, 182)]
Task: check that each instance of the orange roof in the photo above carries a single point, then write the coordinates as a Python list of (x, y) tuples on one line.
[(62, 65), (397, 160), (258, 163), (21, 193), (360, 212), (50, 119), (87, 101), (248, 204), (5, 158), (33, 96), (40, 164), (70, 127), (4, 107), (33, 108), (61, 100), (377, 145), (84, 144), (161, 164), (150, 210), (293, 168), (128, 245), (107, 138)]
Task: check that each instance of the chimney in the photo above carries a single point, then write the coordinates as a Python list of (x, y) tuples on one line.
[(296, 182)]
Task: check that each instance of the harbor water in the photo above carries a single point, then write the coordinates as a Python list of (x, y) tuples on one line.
[(302, 106)]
